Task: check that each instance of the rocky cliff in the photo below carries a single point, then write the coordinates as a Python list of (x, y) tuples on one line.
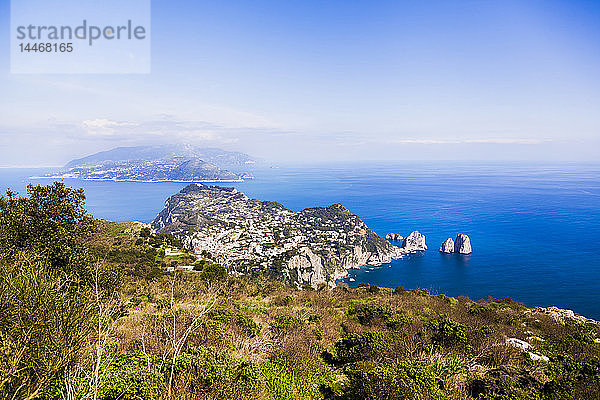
[(394, 237), (462, 244), (311, 247), (414, 242), (447, 246)]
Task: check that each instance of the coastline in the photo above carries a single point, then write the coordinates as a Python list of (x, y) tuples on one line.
[(560, 315), (141, 180)]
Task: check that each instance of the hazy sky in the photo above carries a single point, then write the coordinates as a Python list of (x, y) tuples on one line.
[(319, 80)]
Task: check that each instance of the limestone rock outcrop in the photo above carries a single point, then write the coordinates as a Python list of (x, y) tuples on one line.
[(447, 246), (525, 347), (414, 242), (305, 268), (518, 343), (462, 244), (562, 316), (394, 236)]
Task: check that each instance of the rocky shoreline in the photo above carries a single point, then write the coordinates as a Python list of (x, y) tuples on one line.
[(66, 176), (562, 315)]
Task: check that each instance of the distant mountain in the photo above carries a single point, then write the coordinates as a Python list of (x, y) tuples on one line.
[(161, 163), (223, 159)]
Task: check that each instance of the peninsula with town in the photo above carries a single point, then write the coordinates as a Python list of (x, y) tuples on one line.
[(312, 247), (167, 163)]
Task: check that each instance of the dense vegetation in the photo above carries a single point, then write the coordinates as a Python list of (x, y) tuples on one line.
[(88, 311)]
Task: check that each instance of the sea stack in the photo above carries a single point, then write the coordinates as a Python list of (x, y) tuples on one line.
[(413, 242), (447, 246), (394, 236), (462, 244)]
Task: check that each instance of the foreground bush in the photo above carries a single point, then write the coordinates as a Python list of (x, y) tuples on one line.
[(43, 328), (283, 383), (203, 372), (400, 380), (129, 376)]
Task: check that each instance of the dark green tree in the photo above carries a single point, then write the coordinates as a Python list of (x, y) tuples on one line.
[(47, 286), (52, 224)]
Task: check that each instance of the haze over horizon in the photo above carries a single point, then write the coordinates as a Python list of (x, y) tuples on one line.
[(337, 81)]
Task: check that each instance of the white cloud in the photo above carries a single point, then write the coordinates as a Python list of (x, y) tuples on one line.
[(105, 123), (472, 141), (104, 127), (162, 129)]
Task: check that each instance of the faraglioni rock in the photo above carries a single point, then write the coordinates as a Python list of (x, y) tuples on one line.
[(414, 242), (447, 246), (462, 244), (394, 236)]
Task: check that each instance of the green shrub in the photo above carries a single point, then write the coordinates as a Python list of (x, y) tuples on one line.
[(366, 313), (213, 272), (237, 317), (221, 314), (282, 323), (163, 304), (566, 374), (400, 380), (505, 387), (398, 322), (247, 324), (358, 346), (372, 289), (44, 328), (283, 383), (446, 332), (318, 334), (204, 372), (314, 317), (283, 300), (214, 333), (400, 290), (477, 309), (128, 377)]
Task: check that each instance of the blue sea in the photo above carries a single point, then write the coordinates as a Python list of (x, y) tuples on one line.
[(535, 228)]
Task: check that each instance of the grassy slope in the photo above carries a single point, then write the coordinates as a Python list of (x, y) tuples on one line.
[(267, 341)]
